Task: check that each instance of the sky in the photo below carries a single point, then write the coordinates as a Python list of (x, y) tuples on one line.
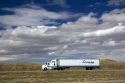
[(41, 30)]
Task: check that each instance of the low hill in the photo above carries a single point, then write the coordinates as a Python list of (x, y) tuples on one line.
[(112, 64)]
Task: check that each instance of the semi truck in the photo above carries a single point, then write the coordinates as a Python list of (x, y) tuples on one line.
[(61, 64)]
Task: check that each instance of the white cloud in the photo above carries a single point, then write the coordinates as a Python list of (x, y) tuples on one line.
[(6, 58), (89, 19), (3, 51), (61, 3), (84, 23), (115, 30), (109, 17), (116, 2), (109, 43), (30, 31), (33, 15), (85, 37)]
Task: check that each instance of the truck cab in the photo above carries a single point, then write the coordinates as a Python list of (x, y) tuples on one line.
[(49, 65)]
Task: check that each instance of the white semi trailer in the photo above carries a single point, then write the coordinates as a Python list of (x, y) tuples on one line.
[(60, 64)]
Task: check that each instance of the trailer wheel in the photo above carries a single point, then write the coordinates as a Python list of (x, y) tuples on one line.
[(87, 68), (98, 67), (60, 68), (91, 68), (45, 69)]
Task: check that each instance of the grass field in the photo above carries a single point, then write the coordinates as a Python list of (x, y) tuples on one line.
[(60, 76), (31, 73)]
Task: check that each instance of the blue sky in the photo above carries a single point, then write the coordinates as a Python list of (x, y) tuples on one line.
[(81, 7), (39, 30)]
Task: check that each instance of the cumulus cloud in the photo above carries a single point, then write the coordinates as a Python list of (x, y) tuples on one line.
[(6, 59), (33, 15), (109, 43), (115, 30), (119, 16), (84, 22), (86, 37)]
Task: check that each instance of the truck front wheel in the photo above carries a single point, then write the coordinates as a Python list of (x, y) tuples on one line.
[(45, 69)]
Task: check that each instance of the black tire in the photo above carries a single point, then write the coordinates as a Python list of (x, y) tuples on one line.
[(45, 69), (87, 68), (98, 67), (91, 68), (60, 68)]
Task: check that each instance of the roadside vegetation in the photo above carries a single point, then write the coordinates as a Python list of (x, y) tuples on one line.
[(32, 73), (108, 64), (24, 66)]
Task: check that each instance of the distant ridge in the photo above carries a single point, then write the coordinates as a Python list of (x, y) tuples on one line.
[(112, 64)]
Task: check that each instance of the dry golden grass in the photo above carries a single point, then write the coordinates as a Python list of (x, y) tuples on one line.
[(32, 73), (60, 76)]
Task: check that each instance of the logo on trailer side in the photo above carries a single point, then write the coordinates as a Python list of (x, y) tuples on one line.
[(85, 61)]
